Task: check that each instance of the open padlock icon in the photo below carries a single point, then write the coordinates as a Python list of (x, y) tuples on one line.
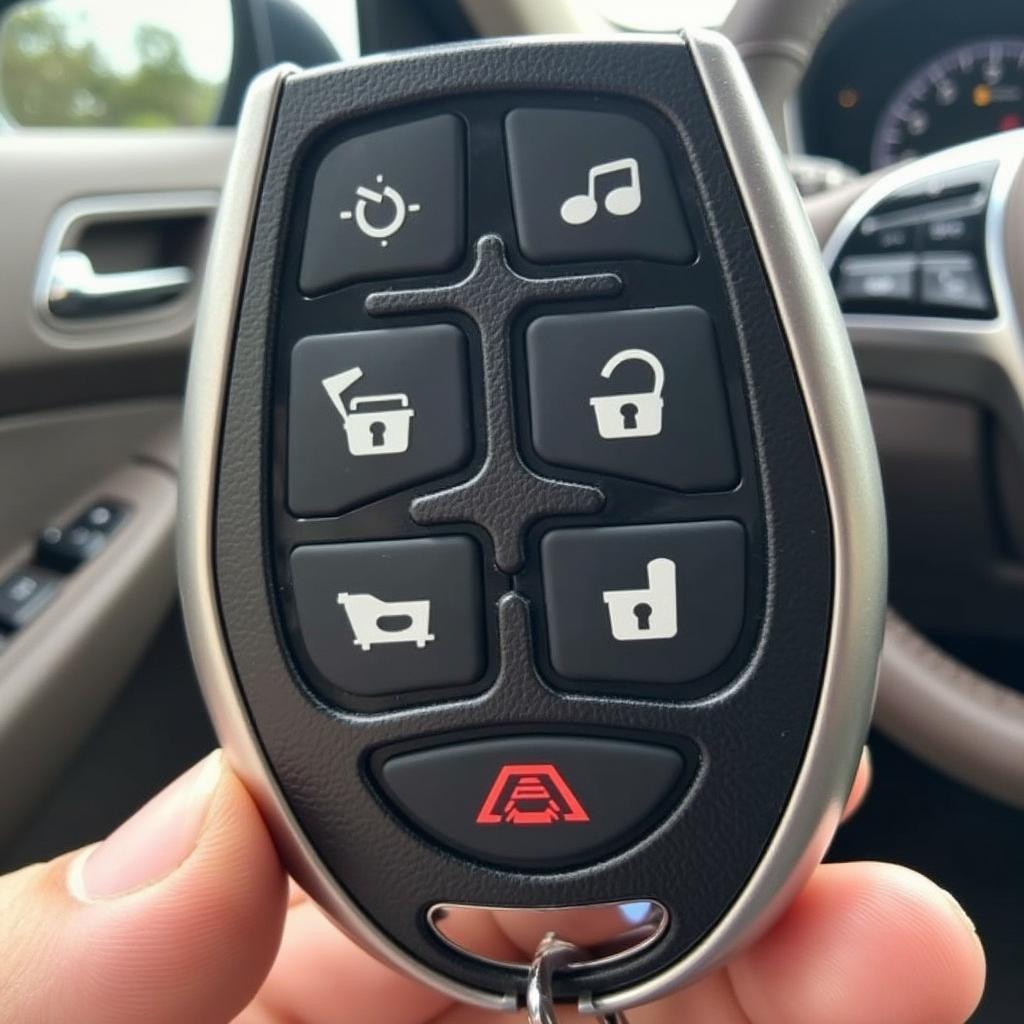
[(630, 415)]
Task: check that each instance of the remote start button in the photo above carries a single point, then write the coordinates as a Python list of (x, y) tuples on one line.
[(643, 604), (374, 412), (588, 185), (387, 203), (636, 393), (389, 617), (535, 801)]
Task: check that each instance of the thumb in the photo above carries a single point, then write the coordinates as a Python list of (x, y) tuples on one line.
[(175, 917)]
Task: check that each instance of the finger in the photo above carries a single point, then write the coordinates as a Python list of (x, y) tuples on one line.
[(864, 943), (321, 977), (861, 784), (175, 917), (480, 930), (598, 926), (711, 999)]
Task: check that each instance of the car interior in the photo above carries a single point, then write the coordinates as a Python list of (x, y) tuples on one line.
[(902, 122)]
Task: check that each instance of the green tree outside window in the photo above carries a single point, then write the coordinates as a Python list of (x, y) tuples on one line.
[(55, 73)]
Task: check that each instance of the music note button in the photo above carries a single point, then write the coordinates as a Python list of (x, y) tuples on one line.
[(592, 184), (620, 201)]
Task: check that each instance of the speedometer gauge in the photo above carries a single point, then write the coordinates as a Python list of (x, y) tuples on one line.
[(963, 94)]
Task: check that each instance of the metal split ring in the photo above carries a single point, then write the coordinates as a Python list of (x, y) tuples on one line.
[(553, 954)]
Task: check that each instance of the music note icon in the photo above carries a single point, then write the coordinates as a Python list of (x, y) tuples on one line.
[(620, 201)]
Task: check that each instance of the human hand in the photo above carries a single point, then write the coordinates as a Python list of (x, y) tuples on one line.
[(184, 915)]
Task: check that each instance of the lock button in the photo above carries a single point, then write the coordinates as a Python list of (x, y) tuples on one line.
[(657, 604), (632, 393)]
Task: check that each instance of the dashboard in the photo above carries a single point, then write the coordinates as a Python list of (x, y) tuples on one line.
[(896, 79)]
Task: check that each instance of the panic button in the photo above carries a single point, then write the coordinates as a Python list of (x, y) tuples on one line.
[(536, 801)]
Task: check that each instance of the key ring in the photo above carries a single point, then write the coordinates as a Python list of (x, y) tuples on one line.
[(552, 954)]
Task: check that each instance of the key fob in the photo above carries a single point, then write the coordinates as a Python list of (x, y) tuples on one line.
[(532, 545)]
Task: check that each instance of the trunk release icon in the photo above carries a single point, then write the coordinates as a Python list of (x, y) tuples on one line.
[(374, 424)]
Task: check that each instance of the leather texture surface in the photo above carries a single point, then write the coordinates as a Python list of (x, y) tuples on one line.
[(750, 734), (505, 496)]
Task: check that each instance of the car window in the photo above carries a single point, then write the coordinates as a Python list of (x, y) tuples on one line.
[(99, 63)]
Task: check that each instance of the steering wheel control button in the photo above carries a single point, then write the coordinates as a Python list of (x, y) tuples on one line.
[(632, 393), (954, 282), (589, 185), (873, 238), (643, 604), (386, 204), (540, 802), (23, 595), (921, 249), (385, 617), (375, 412), (953, 232), (877, 281)]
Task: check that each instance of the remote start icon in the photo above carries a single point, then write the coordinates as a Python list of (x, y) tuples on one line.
[(379, 198), (530, 794)]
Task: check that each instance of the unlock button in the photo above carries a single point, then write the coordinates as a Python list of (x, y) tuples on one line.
[(635, 393)]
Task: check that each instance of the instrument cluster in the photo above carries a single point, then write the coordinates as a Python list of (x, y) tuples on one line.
[(896, 79)]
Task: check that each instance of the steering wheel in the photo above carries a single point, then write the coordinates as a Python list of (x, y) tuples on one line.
[(963, 723)]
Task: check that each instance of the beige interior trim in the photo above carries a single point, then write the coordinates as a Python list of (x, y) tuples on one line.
[(61, 672), (776, 39), (536, 17), (70, 164)]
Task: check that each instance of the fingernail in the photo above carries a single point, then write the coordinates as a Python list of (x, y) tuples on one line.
[(959, 911), (153, 842)]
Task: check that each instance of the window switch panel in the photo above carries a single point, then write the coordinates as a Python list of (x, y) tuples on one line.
[(65, 548), (23, 595)]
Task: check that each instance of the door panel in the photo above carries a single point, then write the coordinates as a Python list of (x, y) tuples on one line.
[(43, 365), (89, 410)]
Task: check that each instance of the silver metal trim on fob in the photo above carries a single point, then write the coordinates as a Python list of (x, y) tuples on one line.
[(931, 352), (838, 418)]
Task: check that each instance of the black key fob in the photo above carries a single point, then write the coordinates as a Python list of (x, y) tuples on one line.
[(532, 544)]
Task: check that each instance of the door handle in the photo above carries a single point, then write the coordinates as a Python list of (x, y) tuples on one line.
[(76, 290)]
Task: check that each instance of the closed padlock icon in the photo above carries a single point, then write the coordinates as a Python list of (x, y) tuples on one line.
[(646, 613), (630, 415)]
